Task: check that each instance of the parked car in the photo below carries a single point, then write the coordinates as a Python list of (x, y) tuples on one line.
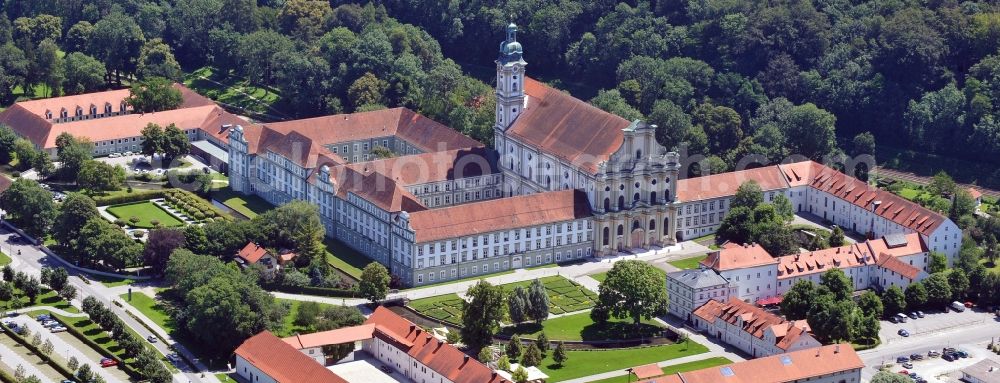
[(902, 332), (957, 306), (50, 324), (13, 314), (907, 365), (43, 317), (114, 155), (108, 362), (934, 354), (912, 315), (961, 353), (920, 314), (902, 359), (151, 339), (948, 349), (917, 357), (968, 305), (949, 356), (900, 318), (58, 329)]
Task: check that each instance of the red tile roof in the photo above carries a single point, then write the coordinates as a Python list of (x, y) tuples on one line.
[(567, 127), (755, 321), (331, 337), (27, 118), (499, 214), (424, 133), (374, 187), (435, 166), (735, 256), (822, 260), (647, 371), (725, 184), (975, 193), (859, 193), (898, 266), (441, 357), (794, 366), (252, 253), (282, 362)]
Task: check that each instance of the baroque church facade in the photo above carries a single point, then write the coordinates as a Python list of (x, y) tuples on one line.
[(548, 141)]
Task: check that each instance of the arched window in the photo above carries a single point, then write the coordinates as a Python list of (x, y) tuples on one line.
[(666, 226), (666, 195), (548, 182), (529, 172), (621, 186), (621, 230), (607, 188), (652, 197), (635, 225), (621, 202), (607, 233), (652, 224), (607, 204), (638, 154), (635, 197)]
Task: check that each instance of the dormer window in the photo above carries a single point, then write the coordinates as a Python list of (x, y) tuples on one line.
[(48, 114), (122, 108), (93, 109), (79, 111), (107, 108), (63, 113)]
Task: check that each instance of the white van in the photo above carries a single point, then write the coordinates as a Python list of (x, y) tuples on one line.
[(957, 306), (900, 318)]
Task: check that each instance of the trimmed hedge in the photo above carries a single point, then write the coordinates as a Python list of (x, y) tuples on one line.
[(135, 196), (7, 378), (192, 205), (47, 358), (321, 291)]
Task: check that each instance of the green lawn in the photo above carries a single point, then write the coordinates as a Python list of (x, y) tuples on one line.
[(224, 378), (248, 205), (584, 363), (46, 298), (600, 277), (4, 259), (581, 327), (683, 367), (688, 263), (344, 258), (147, 212), (994, 267), (151, 309), (112, 282)]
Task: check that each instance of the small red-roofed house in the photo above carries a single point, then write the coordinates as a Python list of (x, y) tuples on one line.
[(254, 254)]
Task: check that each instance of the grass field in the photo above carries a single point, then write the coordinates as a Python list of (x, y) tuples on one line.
[(248, 205), (147, 212), (151, 309), (111, 282), (224, 378), (345, 258), (683, 367), (600, 277), (4, 259), (688, 263), (581, 327), (564, 296), (585, 363)]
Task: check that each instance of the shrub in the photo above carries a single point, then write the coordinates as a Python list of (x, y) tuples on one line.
[(199, 216), (137, 234), (133, 219), (15, 174), (120, 223)]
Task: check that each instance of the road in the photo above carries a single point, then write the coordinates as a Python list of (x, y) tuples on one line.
[(971, 336), (30, 260)]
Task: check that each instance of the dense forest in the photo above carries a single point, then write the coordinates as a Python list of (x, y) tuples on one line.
[(725, 78)]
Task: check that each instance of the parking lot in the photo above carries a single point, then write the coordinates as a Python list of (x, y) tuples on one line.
[(933, 322)]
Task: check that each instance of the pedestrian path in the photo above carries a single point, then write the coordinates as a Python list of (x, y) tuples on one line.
[(49, 308)]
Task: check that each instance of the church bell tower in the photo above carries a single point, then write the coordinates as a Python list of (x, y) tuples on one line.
[(510, 80)]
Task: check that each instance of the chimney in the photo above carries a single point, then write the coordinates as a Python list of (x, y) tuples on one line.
[(817, 351), (465, 359), (836, 349)]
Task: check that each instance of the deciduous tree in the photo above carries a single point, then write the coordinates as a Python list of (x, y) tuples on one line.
[(153, 94), (482, 314), (29, 207), (374, 283), (633, 290)]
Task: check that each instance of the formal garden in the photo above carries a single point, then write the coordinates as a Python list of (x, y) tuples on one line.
[(564, 296), (143, 215)]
